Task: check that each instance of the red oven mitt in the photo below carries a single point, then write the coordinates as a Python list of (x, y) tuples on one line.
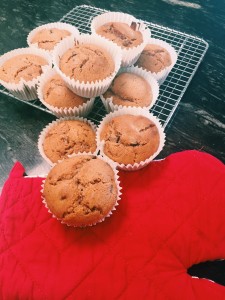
[(171, 216)]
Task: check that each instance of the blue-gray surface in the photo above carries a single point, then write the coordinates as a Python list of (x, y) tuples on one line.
[(199, 121)]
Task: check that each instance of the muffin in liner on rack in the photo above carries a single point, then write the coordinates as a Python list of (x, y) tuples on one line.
[(66, 136), (20, 71), (87, 65), (82, 190), (131, 137), (47, 36), (158, 57), (128, 33), (58, 98), (133, 87)]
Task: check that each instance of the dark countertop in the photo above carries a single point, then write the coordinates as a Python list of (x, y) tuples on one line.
[(199, 121)]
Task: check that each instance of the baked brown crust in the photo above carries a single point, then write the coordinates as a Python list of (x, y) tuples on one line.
[(87, 62), (154, 58), (121, 33), (22, 66), (81, 190), (129, 89), (67, 137), (130, 139), (57, 94), (48, 38)]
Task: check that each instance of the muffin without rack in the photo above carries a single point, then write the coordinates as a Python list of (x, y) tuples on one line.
[(81, 191)]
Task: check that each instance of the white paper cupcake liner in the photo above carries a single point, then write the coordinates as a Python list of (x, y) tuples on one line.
[(24, 90), (81, 110), (58, 25), (117, 181), (45, 131), (89, 89), (136, 112), (161, 76), (108, 103), (129, 55)]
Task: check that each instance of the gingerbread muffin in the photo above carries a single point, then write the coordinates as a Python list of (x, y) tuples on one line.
[(154, 58), (87, 62), (81, 191), (56, 93), (65, 137), (22, 66), (122, 34), (47, 38), (129, 89)]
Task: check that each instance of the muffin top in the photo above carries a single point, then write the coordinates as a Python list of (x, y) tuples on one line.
[(47, 38), (130, 139), (87, 62), (23, 66), (57, 94), (68, 136), (81, 190), (120, 33), (154, 58), (129, 89)]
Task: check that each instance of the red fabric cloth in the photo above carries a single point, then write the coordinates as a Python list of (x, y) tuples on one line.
[(171, 216)]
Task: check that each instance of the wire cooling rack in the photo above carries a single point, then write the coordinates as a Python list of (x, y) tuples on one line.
[(190, 49)]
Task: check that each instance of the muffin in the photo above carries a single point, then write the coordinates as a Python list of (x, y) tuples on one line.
[(125, 31), (129, 89), (23, 66), (82, 190), (57, 94), (133, 87), (154, 58), (88, 66), (65, 137), (47, 38), (158, 57), (131, 137), (49, 35), (20, 70), (120, 33), (58, 98), (87, 62)]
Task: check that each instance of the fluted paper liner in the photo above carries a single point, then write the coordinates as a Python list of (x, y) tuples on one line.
[(129, 55), (58, 25), (110, 106), (92, 88), (161, 76), (81, 110), (24, 90), (46, 129), (116, 178), (136, 112)]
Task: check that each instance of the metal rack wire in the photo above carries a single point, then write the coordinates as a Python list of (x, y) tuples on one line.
[(190, 49)]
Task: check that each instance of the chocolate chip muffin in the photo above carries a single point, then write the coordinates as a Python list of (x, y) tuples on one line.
[(154, 58), (22, 66), (81, 191), (65, 137), (130, 139), (129, 89), (120, 33), (87, 63)]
